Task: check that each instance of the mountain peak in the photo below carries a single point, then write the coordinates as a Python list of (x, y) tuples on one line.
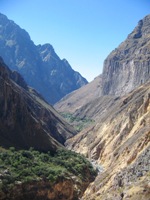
[(128, 66), (142, 29), (40, 66)]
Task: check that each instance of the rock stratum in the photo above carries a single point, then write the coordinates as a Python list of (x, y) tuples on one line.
[(39, 65)]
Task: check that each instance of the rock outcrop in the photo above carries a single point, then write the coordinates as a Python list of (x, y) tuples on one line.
[(39, 65), (26, 120), (128, 66)]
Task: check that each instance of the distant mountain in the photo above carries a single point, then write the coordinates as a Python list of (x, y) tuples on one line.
[(78, 98), (26, 120), (40, 66)]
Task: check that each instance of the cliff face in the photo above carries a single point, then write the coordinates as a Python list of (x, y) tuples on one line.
[(40, 66), (128, 66), (25, 118)]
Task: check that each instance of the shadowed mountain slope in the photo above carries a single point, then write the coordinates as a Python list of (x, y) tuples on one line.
[(40, 66), (26, 120)]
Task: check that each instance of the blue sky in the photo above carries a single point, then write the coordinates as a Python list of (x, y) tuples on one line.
[(82, 31)]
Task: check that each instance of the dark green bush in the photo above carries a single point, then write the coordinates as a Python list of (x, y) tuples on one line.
[(28, 165)]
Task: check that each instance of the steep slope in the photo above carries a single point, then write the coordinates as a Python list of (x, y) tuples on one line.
[(25, 118), (39, 65), (128, 66), (58, 74), (120, 142), (75, 100)]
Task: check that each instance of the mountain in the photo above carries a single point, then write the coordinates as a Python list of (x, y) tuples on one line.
[(125, 68), (78, 98), (128, 66), (118, 142), (40, 66), (26, 120)]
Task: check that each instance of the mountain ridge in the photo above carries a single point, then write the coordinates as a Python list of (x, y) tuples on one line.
[(26, 120), (40, 66)]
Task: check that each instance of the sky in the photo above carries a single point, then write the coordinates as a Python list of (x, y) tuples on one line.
[(82, 31)]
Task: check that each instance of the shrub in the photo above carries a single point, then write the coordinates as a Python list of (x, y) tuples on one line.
[(28, 165)]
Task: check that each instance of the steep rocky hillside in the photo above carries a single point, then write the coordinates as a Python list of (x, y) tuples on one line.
[(120, 142), (75, 100), (128, 66), (25, 118), (40, 66)]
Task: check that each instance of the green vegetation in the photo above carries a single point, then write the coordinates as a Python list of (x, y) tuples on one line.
[(30, 165), (78, 123)]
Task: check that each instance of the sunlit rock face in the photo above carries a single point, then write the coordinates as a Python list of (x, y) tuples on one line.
[(40, 66), (128, 66)]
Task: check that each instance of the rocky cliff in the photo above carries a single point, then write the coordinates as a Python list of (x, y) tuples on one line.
[(39, 65), (125, 68), (25, 118), (128, 66)]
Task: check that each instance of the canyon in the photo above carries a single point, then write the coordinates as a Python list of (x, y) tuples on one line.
[(117, 138)]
